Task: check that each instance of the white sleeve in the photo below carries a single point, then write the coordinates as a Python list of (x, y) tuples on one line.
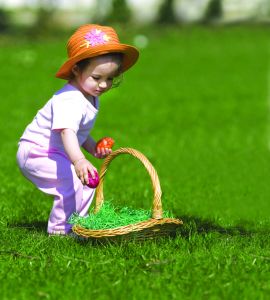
[(67, 113)]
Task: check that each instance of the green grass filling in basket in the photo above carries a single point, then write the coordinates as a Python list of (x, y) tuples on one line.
[(110, 216), (107, 221)]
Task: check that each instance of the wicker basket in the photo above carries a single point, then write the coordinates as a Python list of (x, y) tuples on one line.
[(156, 226)]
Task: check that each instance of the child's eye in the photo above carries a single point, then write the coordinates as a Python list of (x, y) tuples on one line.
[(95, 77)]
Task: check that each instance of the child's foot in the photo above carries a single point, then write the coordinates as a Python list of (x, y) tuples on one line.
[(57, 233), (70, 234)]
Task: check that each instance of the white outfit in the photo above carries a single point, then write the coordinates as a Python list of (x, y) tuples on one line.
[(42, 158)]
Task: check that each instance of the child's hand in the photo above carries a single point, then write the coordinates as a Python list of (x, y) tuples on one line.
[(103, 152), (104, 147), (82, 167)]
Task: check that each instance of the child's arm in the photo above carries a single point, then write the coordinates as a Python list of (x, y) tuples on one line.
[(90, 146), (81, 164)]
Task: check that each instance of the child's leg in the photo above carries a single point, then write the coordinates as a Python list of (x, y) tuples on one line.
[(53, 174), (71, 196), (88, 193)]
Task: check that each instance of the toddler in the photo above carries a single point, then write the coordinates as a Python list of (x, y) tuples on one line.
[(49, 153)]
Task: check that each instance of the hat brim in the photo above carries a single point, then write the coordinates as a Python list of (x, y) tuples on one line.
[(131, 55)]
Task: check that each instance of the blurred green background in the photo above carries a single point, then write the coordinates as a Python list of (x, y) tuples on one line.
[(39, 16), (196, 104)]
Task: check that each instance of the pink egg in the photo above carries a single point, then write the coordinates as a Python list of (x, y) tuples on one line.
[(93, 182)]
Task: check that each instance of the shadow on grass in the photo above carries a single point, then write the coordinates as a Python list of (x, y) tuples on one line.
[(192, 225), (197, 225), (37, 226)]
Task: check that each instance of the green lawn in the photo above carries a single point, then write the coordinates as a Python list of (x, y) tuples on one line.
[(197, 105)]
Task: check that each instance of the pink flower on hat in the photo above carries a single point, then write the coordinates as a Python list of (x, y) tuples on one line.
[(95, 37)]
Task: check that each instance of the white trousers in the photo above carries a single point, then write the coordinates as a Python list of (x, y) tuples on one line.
[(52, 173)]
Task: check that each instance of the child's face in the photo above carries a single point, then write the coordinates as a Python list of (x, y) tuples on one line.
[(97, 77)]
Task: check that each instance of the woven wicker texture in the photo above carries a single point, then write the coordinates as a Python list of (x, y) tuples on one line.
[(154, 226)]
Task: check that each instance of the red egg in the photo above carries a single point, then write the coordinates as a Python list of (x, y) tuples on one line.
[(105, 142), (93, 182)]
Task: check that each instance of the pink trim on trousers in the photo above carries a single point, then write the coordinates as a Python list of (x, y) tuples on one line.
[(52, 173)]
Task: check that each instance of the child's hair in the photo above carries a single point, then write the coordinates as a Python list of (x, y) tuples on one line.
[(82, 64)]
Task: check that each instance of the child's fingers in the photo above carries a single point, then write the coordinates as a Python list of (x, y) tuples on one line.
[(85, 178), (85, 170), (103, 152), (108, 151), (82, 176), (92, 172), (98, 153)]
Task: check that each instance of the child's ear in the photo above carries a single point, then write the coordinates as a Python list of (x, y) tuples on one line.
[(75, 70)]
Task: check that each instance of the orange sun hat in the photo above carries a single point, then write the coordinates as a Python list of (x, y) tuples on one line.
[(91, 40)]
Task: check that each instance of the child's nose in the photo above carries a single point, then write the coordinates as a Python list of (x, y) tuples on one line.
[(103, 84)]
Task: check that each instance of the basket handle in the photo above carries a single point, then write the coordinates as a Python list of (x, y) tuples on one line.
[(157, 206)]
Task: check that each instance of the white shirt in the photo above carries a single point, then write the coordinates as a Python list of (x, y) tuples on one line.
[(68, 108)]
